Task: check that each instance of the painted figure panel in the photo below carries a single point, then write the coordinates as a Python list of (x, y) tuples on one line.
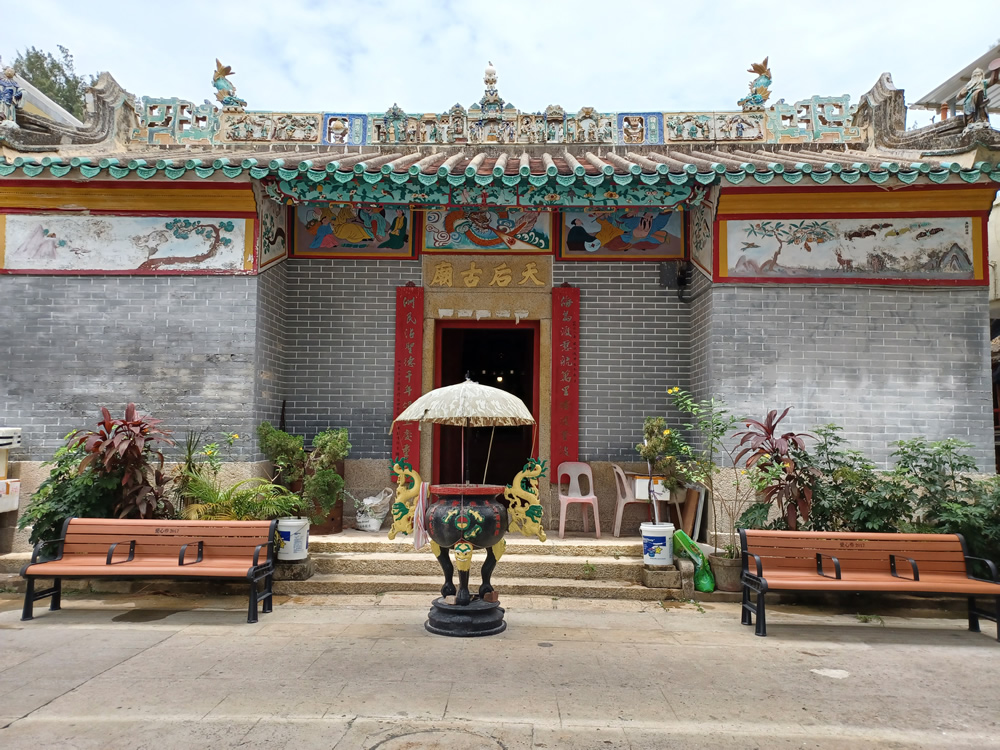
[(488, 229), (852, 249), (640, 128), (342, 230), (144, 244), (273, 241), (622, 234)]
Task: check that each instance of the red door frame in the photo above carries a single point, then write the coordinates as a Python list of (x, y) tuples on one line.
[(440, 326)]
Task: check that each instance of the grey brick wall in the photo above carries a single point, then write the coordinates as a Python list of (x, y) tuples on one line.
[(340, 348), (181, 347), (634, 344), (270, 374), (885, 363)]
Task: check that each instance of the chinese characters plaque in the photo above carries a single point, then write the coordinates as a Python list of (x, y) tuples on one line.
[(408, 370), (565, 374)]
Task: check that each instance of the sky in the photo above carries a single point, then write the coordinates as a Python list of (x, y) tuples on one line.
[(426, 55)]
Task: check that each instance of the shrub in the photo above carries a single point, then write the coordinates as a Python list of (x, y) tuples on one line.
[(128, 448), (68, 492)]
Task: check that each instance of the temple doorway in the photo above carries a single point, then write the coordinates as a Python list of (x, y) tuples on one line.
[(502, 355)]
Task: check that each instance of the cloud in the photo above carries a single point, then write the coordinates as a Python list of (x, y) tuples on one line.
[(302, 55)]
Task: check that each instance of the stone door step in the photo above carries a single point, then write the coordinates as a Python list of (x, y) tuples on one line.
[(574, 545), (555, 587)]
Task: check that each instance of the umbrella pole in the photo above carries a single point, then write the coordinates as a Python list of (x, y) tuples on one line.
[(488, 452), (464, 472)]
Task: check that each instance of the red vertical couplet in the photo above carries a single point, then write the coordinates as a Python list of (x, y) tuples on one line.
[(565, 374), (408, 370)]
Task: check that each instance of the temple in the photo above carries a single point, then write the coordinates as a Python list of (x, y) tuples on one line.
[(221, 265)]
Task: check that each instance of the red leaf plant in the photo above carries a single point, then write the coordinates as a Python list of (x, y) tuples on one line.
[(790, 484), (129, 447)]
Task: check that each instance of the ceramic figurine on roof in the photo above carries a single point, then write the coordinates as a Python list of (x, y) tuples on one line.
[(759, 91), (974, 100), (225, 91), (10, 98)]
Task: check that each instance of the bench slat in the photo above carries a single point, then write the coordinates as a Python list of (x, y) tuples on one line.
[(941, 545)]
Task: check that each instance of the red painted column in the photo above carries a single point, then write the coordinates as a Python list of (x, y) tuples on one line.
[(565, 374), (408, 370)]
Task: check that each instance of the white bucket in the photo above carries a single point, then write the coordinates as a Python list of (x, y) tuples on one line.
[(294, 533), (657, 543)]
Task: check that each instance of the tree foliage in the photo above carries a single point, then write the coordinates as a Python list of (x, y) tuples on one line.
[(55, 77)]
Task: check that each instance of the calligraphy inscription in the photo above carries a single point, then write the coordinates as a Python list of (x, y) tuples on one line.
[(487, 273)]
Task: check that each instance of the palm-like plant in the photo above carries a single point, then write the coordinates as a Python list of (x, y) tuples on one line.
[(248, 500)]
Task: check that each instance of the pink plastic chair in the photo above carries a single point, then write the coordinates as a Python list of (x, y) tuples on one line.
[(574, 471)]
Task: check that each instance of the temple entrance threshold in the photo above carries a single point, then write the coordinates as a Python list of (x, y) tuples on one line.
[(501, 355)]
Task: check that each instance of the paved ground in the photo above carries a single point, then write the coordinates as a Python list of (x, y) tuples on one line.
[(360, 672)]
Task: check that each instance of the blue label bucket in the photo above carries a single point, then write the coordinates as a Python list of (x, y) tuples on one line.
[(657, 543)]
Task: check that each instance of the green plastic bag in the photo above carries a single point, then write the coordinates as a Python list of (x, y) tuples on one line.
[(685, 547)]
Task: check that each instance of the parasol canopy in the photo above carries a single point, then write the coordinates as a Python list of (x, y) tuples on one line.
[(468, 404)]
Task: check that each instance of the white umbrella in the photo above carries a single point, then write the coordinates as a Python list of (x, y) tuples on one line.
[(468, 404)]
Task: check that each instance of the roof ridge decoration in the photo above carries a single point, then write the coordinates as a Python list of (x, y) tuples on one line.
[(225, 90), (492, 120), (759, 88)]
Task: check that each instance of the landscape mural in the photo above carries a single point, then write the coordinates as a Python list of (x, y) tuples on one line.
[(856, 248), (490, 229), (631, 234), (343, 230), (142, 244)]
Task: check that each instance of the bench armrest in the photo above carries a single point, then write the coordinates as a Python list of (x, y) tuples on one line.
[(756, 559), (40, 545), (201, 550), (836, 566), (989, 564), (256, 553), (913, 567), (131, 552)]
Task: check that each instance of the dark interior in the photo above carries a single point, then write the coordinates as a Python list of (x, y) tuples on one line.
[(498, 357)]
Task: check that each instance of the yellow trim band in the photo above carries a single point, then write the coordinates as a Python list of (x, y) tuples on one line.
[(137, 198), (857, 202)]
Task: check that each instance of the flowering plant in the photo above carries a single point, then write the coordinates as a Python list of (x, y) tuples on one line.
[(664, 450)]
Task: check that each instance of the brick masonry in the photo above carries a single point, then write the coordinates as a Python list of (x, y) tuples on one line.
[(884, 363), (634, 344), (181, 347), (221, 353), (340, 348)]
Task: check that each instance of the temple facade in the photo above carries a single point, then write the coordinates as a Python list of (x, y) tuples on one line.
[(220, 266)]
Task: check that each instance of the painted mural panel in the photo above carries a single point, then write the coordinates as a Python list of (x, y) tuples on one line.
[(700, 223), (343, 230), (142, 244), (622, 234), (487, 229), (273, 242), (889, 249)]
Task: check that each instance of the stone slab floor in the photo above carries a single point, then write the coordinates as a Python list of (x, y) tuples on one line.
[(161, 671)]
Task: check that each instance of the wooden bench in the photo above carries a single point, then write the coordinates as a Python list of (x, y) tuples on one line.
[(130, 549), (835, 561)]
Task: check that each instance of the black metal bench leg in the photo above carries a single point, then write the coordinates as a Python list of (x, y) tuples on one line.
[(973, 617), (268, 590), (56, 602), (29, 600), (761, 622), (252, 606), (746, 618)]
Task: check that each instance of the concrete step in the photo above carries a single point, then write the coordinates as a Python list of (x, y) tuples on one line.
[(552, 587), (576, 544), (12, 562), (516, 566)]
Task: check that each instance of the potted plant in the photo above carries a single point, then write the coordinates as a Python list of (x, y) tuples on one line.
[(318, 475), (710, 423)]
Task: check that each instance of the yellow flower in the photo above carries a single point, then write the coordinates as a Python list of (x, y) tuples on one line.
[(666, 432), (235, 436)]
